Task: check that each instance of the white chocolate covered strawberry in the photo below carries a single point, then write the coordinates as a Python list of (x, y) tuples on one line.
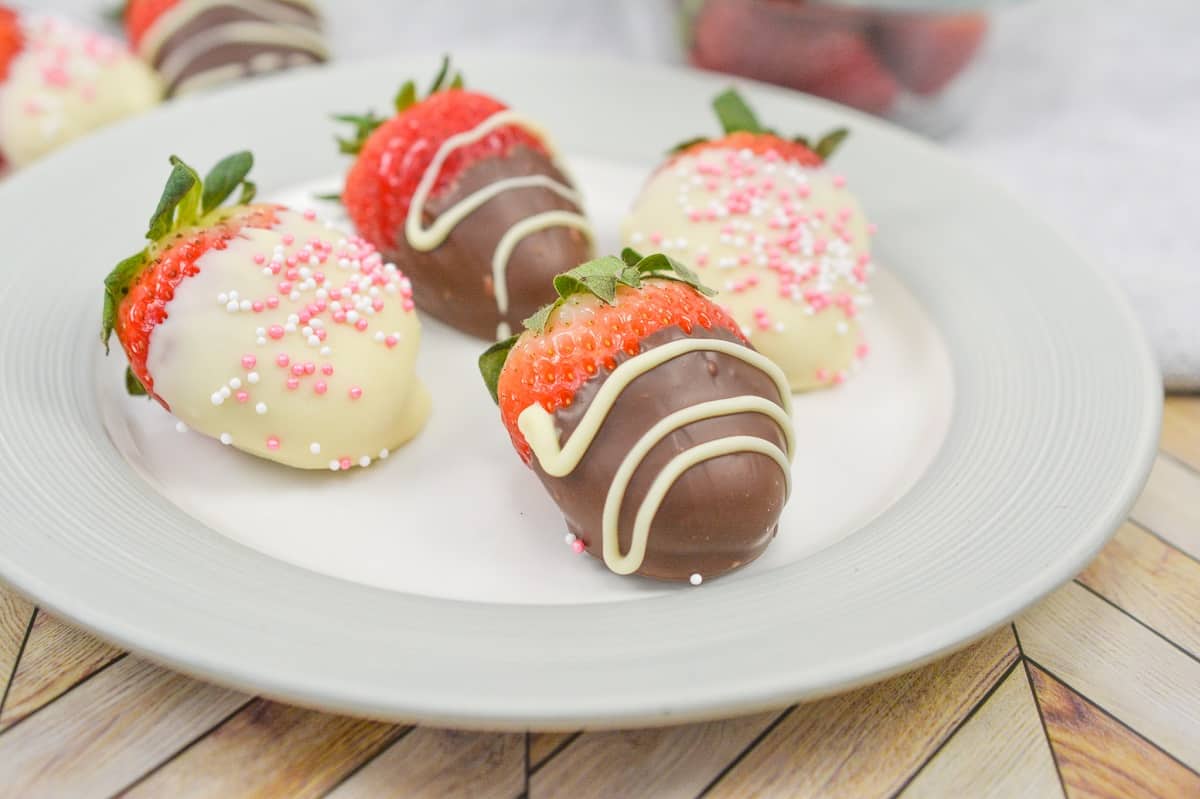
[(763, 220), (266, 329)]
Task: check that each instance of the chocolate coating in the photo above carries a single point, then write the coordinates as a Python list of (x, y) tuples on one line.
[(453, 282), (720, 514), (293, 42)]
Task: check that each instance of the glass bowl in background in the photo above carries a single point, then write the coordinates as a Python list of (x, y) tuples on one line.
[(910, 61)]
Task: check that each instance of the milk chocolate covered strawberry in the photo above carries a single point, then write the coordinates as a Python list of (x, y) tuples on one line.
[(468, 197), (662, 435)]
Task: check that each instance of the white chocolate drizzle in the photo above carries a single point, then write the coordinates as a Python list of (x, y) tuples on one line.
[(537, 425), (424, 239)]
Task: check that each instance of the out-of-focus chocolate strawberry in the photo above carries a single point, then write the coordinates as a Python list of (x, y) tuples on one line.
[(816, 49), (927, 51)]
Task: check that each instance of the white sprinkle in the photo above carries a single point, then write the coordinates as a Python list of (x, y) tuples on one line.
[(244, 305), (379, 335), (779, 328), (695, 579), (569, 538), (307, 330), (326, 350), (636, 238), (305, 272), (180, 427), (364, 461), (290, 327), (322, 294), (295, 295), (294, 318), (235, 383), (260, 408), (317, 323), (314, 448), (261, 341), (335, 306), (260, 331), (233, 295), (383, 453), (225, 391), (226, 439), (267, 271), (842, 328), (314, 341), (252, 378), (231, 306), (352, 317), (222, 298), (334, 466)]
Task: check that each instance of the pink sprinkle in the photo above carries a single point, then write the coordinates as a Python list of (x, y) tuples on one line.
[(272, 443), (298, 369), (760, 312), (839, 378), (305, 316), (293, 383), (803, 190), (248, 361), (309, 367), (327, 369), (863, 350), (56, 76), (872, 228), (260, 259), (320, 387), (310, 215), (339, 316), (275, 331), (242, 396), (321, 334), (839, 181), (344, 463), (702, 259), (656, 238), (285, 287), (377, 304), (355, 392), (391, 341), (694, 215), (319, 277), (288, 239), (282, 359), (577, 546), (292, 273), (819, 246), (258, 306), (360, 325), (821, 375), (743, 259), (408, 305), (711, 185), (272, 301)]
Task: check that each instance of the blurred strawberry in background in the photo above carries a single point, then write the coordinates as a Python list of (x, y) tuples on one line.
[(880, 61)]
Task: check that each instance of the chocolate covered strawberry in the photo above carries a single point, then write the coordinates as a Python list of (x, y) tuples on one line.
[(264, 328), (763, 218), (661, 434), (59, 81), (196, 44), (467, 196)]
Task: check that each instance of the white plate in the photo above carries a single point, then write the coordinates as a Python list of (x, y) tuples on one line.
[(998, 434)]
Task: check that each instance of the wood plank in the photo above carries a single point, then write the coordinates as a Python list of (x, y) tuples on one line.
[(1151, 581), (1169, 505), (270, 749), (57, 657), (1000, 751), (870, 741), (443, 763), (1118, 664), (109, 731), (15, 615), (1181, 429), (1098, 757), (543, 744), (664, 762)]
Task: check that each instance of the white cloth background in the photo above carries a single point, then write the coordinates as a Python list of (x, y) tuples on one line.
[(1092, 114)]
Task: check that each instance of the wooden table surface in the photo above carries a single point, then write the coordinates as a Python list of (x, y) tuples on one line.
[(1093, 692)]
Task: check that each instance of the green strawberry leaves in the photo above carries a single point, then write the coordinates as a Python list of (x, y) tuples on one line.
[(186, 201), (408, 96), (224, 178), (491, 363), (600, 278), (133, 386), (736, 116)]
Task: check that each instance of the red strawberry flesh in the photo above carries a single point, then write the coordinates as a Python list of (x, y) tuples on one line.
[(140, 15), (11, 39)]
